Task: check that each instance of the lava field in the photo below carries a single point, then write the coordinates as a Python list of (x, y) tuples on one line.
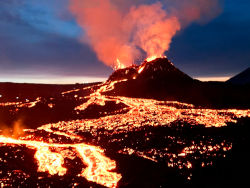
[(91, 136)]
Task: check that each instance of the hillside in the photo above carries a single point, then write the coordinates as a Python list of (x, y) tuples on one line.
[(242, 78)]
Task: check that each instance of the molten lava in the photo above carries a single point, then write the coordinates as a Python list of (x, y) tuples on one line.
[(119, 65), (50, 162), (98, 169), (152, 58)]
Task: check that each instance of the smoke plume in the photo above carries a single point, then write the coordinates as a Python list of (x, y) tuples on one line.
[(119, 31), (15, 130)]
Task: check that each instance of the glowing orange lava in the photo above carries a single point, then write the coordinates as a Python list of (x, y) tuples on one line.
[(119, 65), (99, 165), (141, 69), (22, 104), (152, 58)]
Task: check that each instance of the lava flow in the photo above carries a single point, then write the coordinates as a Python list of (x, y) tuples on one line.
[(122, 126), (98, 165)]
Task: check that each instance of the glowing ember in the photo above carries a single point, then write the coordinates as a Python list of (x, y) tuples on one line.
[(119, 65), (141, 69)]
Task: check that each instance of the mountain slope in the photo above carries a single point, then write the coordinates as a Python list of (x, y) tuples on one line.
[(241, 78)]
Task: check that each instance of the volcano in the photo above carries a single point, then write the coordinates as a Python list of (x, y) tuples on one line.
[(160, 79)]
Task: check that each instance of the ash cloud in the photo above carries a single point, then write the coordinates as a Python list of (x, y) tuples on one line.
[(125, 30)]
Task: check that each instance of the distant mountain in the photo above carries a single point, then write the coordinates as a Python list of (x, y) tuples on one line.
[(241, 78)]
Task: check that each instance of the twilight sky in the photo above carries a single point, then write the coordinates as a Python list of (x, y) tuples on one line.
[(39, 42)]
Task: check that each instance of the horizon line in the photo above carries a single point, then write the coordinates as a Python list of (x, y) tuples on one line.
[(86, 79)]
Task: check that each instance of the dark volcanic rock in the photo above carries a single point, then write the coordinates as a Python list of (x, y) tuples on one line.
[(241, 78)]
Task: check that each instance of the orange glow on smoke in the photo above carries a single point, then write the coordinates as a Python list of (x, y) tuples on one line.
[(15, 130), (123, 29), (18, 128), (119, 37)]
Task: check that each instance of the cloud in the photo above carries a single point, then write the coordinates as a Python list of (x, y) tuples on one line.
[(120, 31), (30, 40)]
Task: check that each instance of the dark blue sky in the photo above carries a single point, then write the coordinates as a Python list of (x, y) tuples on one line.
[(41, 39)]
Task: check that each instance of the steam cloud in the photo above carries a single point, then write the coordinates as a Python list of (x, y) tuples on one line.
[(125, 29)]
